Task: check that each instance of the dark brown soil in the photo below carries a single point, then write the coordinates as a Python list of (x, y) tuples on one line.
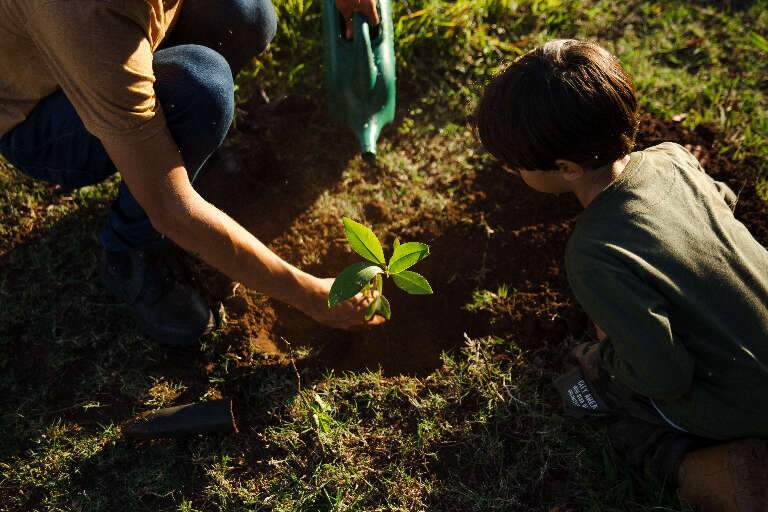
[(500, 232)]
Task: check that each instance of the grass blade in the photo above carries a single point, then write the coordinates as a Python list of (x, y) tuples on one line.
[(758, 41)]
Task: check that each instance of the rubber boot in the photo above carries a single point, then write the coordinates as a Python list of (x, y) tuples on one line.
[(168, 310), (730, 477)]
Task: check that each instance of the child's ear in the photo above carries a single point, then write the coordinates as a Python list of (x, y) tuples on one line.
[(571, 171)]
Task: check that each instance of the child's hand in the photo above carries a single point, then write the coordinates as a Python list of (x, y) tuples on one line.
[(601, 336), (348, 8), (587, 355)]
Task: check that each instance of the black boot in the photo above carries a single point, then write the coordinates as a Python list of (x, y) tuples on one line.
[(170, 312)]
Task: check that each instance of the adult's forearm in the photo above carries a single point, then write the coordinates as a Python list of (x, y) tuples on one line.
[(224, 244), (156, 176)]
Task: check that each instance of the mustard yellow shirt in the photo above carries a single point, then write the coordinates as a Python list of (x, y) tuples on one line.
[(99, 52)]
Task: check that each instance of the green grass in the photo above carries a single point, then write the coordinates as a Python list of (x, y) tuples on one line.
[(483, 432), (706, 60)]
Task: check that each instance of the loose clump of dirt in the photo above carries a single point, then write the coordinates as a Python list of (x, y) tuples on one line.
[(497, 264)]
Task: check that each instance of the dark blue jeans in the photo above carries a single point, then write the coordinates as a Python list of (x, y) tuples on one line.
[(211, 42)]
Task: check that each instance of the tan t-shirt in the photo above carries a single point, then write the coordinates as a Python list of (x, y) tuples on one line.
[(99, 52)]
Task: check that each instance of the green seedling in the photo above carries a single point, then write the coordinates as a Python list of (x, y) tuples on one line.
[(368, 277)]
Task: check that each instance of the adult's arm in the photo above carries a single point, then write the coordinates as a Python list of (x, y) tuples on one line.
[(102, 58), (158, 180)]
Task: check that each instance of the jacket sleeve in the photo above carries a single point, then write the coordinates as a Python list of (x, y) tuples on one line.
[(642, 352), (725, 192)]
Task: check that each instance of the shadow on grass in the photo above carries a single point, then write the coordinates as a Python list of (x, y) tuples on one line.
[(72, 360)]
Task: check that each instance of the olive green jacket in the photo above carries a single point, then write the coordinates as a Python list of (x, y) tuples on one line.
[(680, 286)]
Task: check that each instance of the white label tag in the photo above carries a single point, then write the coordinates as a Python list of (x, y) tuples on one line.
[(581, 397)]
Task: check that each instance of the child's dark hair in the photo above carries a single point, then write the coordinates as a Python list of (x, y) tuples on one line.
[(568, 99)]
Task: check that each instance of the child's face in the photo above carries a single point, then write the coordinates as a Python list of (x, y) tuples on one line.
[(549, 182)]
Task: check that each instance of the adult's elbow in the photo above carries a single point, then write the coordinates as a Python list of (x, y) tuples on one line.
[(167, 220), (170, 210)]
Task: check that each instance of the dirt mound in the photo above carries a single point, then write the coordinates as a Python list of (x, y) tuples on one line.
[(497, 265)]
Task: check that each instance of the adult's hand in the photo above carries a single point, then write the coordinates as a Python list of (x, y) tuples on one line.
[(348, 8), (348, 315)]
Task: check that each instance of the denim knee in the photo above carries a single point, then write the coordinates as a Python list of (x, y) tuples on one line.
[(195, 87), (259, 19), (238, 29), (268, 24)]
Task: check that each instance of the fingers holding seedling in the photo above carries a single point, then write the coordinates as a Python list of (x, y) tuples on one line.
[(352, 280), (367, 278), (347, 314)]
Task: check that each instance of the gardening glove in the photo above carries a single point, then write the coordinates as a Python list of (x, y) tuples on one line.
[(348, 8)]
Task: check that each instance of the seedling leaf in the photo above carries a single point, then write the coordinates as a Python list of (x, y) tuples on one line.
[(384, 309), (413, 283), (368, 279), (351, 280), (379, 305), (406, 256), (363, 241), (372, 308)]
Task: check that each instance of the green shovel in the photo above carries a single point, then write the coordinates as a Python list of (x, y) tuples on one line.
[(360, 73)]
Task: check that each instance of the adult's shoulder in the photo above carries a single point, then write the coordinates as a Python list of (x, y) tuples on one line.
[(116, 99), (100, 15)]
